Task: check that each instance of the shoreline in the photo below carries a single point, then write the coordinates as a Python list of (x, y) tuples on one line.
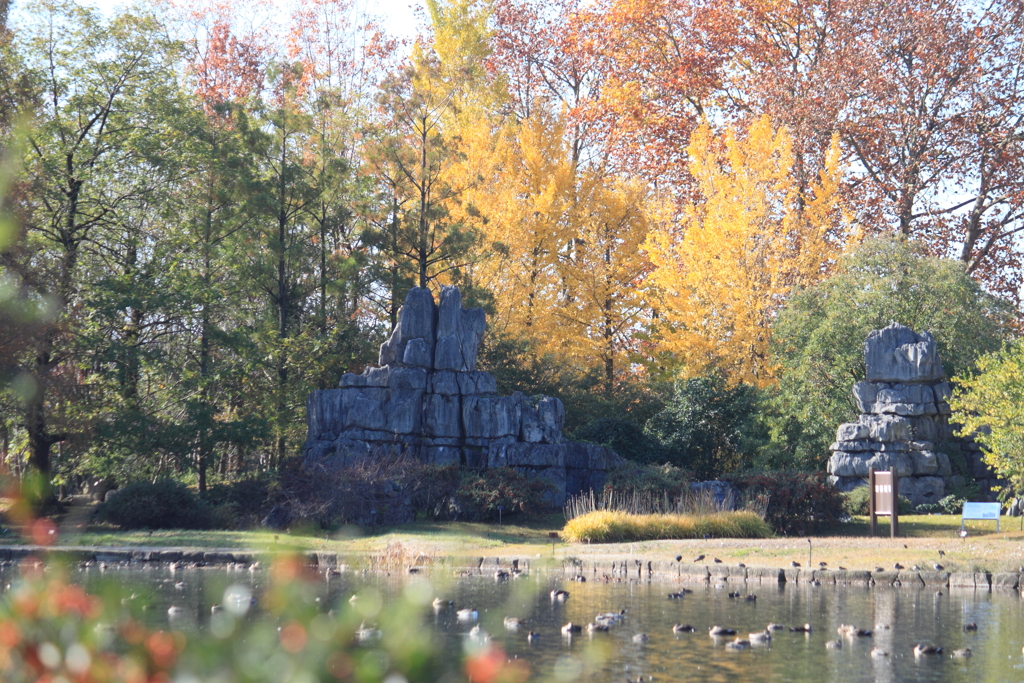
[(611, 566)]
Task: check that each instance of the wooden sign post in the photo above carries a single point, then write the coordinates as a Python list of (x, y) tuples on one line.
[(883, 488)]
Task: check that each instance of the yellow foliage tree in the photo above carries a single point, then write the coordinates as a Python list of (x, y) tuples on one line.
[(752, 238)]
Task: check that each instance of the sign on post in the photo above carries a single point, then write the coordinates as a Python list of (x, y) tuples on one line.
[(980, 511), (884, 499)]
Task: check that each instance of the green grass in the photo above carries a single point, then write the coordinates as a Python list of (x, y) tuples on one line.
[(607, 526), (447, 537), (925, 526)]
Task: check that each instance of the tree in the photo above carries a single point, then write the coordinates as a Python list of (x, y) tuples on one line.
[(95, 80), (989, 404), (752, 239), (818, 338)]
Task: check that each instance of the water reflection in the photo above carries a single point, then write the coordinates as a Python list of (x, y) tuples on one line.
[(471, 611)]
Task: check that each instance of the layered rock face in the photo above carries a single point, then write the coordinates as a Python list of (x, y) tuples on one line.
[(427, 399), (904, 418)]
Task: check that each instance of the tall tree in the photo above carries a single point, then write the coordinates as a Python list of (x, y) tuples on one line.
[(95, 78), (752, 239)]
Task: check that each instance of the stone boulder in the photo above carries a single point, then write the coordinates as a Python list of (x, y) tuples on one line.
[(897, 354)]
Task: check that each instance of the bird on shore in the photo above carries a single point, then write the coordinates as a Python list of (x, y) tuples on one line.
[(898, 566), (794, 564), (879, 569), (717, 561), (699, 558), (942, 552), (937, 567), (679, 558)]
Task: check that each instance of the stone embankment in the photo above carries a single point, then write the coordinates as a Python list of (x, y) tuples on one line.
[(574, 569)]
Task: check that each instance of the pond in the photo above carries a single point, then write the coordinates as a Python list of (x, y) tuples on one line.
[(912, 615)]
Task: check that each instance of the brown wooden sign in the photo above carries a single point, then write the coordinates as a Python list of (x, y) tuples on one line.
[(884, 499)]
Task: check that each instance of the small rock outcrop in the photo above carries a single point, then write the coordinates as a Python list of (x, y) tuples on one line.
[(427, 399), (904, 421)]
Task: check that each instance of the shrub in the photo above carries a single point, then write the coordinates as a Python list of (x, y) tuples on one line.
[(658, 481), (708, 426), (164, 504), (856, 501), (239, 504), (623, 437), (606, 526), (798, 502), (929, 509), (480, 493), (952, 504)]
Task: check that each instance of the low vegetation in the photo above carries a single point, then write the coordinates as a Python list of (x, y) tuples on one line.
[(607, 526)]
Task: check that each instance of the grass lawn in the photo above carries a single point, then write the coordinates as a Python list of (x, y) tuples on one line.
[(848, 545)]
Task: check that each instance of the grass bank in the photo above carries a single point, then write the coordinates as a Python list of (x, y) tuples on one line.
[(607, 526)]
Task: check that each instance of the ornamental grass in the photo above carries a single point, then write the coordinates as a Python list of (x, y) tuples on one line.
[(609, 526)]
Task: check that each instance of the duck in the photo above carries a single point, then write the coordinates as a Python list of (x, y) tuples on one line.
[(734, 594), (851, 630), (926, 649), (180, 585), (760, 637), (640, 638), (774, 627), (439, 603), (676, 596), (971, 626), (513, 623), (879, 652), (738, 644), (751, 598), (559, 596), (571, 628), (806, 628), (216, 609), (174, 610), (717, 631), (467, 615), (501, 575), (532, 636), (683, 628), (611, 618), (962, 654), (834, 645), (598, 627)]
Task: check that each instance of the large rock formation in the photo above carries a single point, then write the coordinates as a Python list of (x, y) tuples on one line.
[(904, 420), (427, 399)]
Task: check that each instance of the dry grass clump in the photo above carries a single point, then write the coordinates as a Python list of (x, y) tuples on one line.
[(608, 526)]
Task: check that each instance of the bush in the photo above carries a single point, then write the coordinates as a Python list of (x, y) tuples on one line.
[(798, 502), (164, 504), (952, 504), (480, 493), (929, 509), (623, 437), (708, 427), (606, 526), (658, 481), (238, 505), (855, 502)]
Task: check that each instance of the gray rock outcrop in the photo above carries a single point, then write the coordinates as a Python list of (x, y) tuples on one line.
[(428, 400), (904, 420)]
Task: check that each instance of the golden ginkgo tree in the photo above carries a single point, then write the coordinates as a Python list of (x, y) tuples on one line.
[(753, 235)]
